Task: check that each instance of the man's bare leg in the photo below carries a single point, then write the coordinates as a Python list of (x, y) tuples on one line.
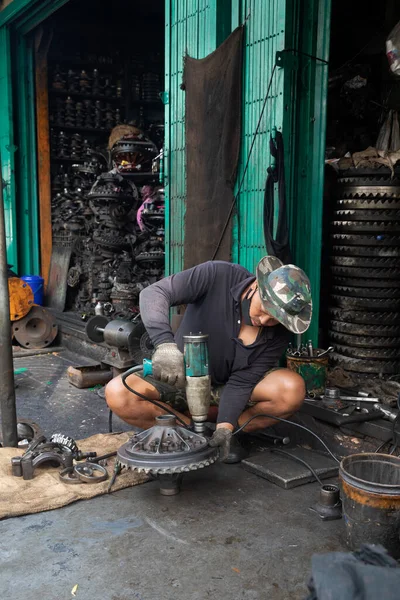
[(131, 408), (281, 393)]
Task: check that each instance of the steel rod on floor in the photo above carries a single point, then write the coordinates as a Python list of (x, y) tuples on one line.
[(7, 389)]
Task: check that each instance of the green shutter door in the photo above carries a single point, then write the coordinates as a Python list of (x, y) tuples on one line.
[(264, 36), (191, 27)]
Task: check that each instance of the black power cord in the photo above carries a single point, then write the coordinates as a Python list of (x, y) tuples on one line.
[(128, 387), (300, 460)]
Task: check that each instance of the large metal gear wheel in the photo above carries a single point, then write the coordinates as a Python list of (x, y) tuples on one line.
[(382, 304), (348, 239), (367, 283), (368, 292), (358, 329), (373, 251), (369, 203), (167, 450), (366, 215), (366, 262), (363, 227), (392, 273), (368, 353), (359, 341), (365, 317), (376, 367)]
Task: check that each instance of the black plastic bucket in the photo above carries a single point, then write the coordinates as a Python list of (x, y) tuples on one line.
[(371, 500)]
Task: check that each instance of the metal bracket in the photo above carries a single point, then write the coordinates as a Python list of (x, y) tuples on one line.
[(287, 60)]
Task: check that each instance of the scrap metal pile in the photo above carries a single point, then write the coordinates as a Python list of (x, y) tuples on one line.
[(115, 225), (365, 267)]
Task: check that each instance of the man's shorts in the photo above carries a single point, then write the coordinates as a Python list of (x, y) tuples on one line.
[(177, 398)]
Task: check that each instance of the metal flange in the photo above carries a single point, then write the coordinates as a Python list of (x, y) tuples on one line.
[(38, 329)]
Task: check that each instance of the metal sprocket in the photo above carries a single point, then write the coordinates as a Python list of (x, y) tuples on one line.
[(350, 239), (383, 304), (365, 366), (373, 251)]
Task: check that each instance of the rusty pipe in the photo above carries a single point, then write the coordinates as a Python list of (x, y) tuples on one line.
[(8, 409)]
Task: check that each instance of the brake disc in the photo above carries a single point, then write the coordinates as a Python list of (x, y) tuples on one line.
[(383, 304), (167, 450), (365, 366), (391, 273), (363, 342), (365, 226), (369, 292), (365, 251), (374, 263), (356, 329), (350, 239), (365, 317)]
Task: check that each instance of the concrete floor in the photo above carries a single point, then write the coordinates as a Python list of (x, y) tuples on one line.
[(229, 535)]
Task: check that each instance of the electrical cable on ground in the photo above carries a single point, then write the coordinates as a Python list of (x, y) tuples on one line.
[(290, 423), (300, 460)]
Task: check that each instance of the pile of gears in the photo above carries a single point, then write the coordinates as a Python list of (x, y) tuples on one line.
[(115, 225), (365, 267)]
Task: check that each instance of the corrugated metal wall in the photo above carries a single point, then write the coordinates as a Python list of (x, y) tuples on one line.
[(190, 28), (264, 35)]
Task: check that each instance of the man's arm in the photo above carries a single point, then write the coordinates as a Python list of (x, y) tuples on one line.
[(241, 383), (182, 288)]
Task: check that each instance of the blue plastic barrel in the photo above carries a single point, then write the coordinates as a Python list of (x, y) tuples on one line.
[(37, 285)]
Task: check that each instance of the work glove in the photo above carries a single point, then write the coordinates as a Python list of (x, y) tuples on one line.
[(168, 365), (221, 439)]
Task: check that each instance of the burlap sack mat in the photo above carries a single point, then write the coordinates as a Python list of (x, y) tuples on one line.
[(46, 492)]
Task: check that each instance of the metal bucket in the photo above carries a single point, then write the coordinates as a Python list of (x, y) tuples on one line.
[(371, 500), (312, 369)]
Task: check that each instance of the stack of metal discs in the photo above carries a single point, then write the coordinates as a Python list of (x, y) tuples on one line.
[(365, 271)]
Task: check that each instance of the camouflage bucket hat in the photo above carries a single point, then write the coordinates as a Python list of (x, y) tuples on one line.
[(285, 293)]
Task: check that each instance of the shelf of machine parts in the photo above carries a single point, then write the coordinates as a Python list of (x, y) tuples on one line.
[(97, 130), (82, 95), (68, 159)]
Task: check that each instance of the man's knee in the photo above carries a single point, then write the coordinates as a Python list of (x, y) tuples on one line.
[(115, 393), (293, 390), (283, 387)]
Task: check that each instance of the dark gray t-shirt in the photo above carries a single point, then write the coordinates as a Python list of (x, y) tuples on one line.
[(212, 292)]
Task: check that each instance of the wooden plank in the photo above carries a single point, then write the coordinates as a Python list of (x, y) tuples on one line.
[(42, 43)]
